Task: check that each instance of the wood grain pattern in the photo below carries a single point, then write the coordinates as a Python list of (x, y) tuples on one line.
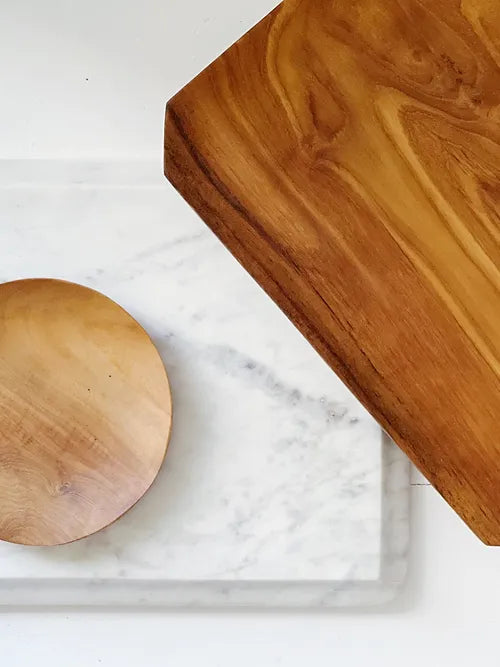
[(348, 154), (85, 412)]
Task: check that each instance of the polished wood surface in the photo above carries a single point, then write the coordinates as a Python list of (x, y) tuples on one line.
[(348, 154), (85, 412)]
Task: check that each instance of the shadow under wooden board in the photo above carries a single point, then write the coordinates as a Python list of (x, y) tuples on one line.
[(348, 154)]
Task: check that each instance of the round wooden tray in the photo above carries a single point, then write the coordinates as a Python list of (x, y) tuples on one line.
[(85, 412)]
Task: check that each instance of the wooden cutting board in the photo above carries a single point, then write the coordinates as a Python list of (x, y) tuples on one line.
[(347, 152)]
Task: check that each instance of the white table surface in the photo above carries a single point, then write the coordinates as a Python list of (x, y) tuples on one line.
[(88, 79)]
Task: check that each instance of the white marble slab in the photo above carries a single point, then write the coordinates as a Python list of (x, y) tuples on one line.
[(278, 488)]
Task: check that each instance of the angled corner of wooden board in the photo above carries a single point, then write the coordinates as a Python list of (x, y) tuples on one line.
[(349, 157)]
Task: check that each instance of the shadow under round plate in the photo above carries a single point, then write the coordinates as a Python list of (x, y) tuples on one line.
[(85, 412)]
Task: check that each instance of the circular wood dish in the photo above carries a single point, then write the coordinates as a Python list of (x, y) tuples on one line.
[(85, 412)]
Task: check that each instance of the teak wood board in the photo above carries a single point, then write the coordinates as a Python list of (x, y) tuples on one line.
[(348, 154)]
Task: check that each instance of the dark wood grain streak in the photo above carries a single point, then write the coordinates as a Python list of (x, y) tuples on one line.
[(259, 269), (348, 154)]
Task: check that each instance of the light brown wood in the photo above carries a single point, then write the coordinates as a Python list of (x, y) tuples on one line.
[(85, 412), (348, 153)]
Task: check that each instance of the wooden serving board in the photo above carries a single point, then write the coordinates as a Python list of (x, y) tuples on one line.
[(348, 153)]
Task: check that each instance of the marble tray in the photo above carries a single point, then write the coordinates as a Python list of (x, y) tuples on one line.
[(278, 488)]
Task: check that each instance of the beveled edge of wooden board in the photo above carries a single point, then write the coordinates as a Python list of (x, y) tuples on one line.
[(214, 203)]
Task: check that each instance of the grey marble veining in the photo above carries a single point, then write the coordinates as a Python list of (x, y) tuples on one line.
[(278, 488)]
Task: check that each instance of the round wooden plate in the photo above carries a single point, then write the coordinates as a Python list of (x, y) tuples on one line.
[(85, 412)]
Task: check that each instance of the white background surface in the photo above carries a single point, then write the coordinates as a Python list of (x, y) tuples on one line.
[(89, 79)]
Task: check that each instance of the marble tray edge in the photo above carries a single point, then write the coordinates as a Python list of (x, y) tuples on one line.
[(252, 594)]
